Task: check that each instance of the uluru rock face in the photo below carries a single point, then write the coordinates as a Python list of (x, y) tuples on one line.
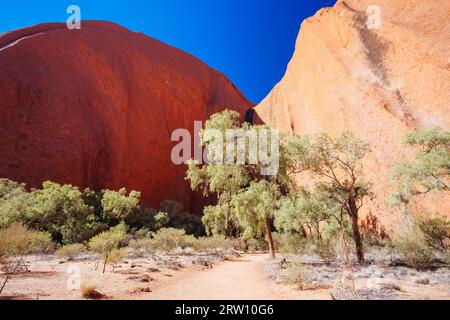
[(96, 108), (379, 83)]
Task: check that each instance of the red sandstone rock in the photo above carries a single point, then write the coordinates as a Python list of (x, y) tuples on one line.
[(96, 107)]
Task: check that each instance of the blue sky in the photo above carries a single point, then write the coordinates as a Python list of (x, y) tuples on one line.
[(250, 41)]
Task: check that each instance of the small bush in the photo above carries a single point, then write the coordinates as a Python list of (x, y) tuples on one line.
[(436, 232), (256, 245), (167, 239), (142, 233), (140, 247), (89, 291), (326, 249), (214, 243), (15, 240), (41, 242), (70, 251), (106, 242), (15, 243), (413, 248), (117, 256), (289, 243)]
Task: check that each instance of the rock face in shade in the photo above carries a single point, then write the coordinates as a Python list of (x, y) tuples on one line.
[(96, 108), (380, 83)]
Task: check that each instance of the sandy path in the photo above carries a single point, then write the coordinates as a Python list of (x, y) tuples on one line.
[(241, 279)]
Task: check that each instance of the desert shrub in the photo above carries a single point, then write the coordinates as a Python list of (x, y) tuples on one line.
[(142, 217), (106, 242), (140, 247), (326, 249), (70, 251), (171, 215), (256, 245), (118, 205), (41, 242), (142, 233), (289, 242), (63, 213), (213, 243), (414, 249), (117, 256), (372, 232), (167, 239), (162, 219), (436, 232), (89, 291), (16, 204), (15, 243)]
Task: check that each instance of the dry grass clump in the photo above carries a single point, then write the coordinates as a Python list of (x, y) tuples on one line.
[(89, 291), (70, 251)]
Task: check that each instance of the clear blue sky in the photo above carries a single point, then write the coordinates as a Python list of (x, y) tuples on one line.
[(250, 41)]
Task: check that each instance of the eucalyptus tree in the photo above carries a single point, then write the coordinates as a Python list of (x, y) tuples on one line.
[(238, 172), (428, 171), (335, 166)]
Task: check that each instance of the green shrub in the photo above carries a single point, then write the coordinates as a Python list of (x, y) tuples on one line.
[(171, 215), (141, 233), (106, 242), (253, 245), (15, 240), (326, 249), (436, 232), (167, 239), (289, 243), (214, 243), (414, 250), (70, 251), (140, 247), (41, 242), (15, 243)]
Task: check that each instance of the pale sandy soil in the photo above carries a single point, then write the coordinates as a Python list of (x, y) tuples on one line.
[(144, 279)]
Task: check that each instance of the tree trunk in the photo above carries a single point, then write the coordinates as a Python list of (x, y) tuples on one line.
[(104, 264), (356, 234), (270, 238), (9, 275)]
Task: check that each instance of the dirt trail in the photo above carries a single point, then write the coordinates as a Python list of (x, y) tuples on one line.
[(241, 279)]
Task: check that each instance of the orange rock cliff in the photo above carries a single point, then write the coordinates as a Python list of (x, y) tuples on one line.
[(380, 83)]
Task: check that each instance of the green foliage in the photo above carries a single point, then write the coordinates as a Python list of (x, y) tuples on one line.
[(118, 205), (214, 243), (246, 198), (70, 251), (293, 243), (107, 243), (307, 213), (436, 232), (63, 213), (333, 169), (17, 240), (41, 242), (69, 215), (219, 219), (429, 171), (167, 239), (171, 215), (162, 219), (16, 205), (252, 206), (414, 249)]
